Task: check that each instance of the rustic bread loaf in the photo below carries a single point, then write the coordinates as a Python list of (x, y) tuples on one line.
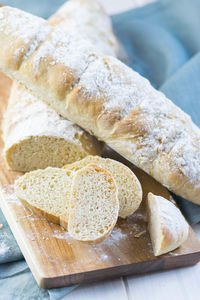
[(168, 228), (46, 192), (105, 97), (129, 187), (36, 137), (94, 204)]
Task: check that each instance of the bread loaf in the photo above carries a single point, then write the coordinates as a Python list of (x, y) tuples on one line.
[(167, 226), (105, 97), (35, 136), (129, 187), (46, 192), (94, 204)]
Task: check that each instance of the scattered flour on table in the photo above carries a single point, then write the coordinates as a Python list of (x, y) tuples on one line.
[(116, 236)]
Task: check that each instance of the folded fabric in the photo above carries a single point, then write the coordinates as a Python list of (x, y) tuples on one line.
[(162, 42)]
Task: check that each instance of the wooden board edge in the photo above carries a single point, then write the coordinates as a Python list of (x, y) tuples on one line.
[(124, 270)]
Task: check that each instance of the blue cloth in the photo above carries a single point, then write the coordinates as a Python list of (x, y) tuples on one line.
[(162, 42), (16, 279)]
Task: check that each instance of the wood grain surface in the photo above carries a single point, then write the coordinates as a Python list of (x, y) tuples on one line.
[(57, 260)]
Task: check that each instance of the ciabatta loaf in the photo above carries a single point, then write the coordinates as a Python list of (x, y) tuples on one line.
[(168, 228), (94, 204), (47, 193), (36, 137), (129, 187), (105, 97)]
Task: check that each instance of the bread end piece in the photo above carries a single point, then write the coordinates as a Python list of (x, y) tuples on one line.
[(167, 226)]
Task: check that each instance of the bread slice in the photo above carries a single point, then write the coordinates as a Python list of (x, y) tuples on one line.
[(47, 193), (129, 187), (168, 228), (94, 204)]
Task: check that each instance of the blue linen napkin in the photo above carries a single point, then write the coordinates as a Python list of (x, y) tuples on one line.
[(162, 42)]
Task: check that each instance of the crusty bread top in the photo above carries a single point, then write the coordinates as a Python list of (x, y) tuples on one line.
[(123, 109), (28, 116)]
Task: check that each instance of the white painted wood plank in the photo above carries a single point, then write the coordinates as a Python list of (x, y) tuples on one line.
[(175, 284), (108, 290)]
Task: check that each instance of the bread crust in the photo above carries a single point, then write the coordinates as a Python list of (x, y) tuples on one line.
[(114, 103)]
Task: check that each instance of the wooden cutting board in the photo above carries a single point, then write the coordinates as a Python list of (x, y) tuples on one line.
[(57, 260)]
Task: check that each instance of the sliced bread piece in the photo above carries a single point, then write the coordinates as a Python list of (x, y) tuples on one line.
[(168, 228), (94, 204), (46, 192), (129, 187)]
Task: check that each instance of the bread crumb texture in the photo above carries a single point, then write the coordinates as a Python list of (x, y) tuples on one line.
[(129, 187), (94, 204)]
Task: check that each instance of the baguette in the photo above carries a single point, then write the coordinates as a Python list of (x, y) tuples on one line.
[(94, 204), (35, 137), (129, 187), (168, 228), (86, 18), (106, 98), (47, 193)]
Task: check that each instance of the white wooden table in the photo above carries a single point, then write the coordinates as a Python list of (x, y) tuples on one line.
[(179, 284)]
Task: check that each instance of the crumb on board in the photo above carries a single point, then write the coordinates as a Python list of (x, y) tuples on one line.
[(137, 235), (1, 226)]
